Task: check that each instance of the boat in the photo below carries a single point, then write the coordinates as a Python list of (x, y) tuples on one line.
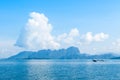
[(97, 60)]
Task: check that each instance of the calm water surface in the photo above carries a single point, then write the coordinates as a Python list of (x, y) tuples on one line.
[(59, 70)]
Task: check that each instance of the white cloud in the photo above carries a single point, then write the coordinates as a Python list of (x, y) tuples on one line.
[(101, 36), (74, 33), (89, 37), (37, 34), (70, 39)]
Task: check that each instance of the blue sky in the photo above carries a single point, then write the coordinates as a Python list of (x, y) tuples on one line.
[(94, 16)]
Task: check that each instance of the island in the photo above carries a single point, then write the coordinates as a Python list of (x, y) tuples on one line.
[(69, 53)]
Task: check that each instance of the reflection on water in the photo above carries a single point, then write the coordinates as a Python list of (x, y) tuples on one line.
[(59, 70)]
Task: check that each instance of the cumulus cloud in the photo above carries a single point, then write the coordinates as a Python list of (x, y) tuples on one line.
[(37, 33), (89, 37), (69, 39)]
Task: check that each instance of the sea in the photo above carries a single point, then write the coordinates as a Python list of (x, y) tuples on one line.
[(59, 70)]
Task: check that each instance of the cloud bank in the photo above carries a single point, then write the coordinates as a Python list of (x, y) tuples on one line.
[(37, 35)]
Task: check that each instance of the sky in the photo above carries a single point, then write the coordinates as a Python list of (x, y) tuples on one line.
[(91, 25)]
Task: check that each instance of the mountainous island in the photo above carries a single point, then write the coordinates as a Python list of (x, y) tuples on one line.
[(69, 53)]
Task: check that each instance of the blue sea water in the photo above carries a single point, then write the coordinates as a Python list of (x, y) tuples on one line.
[(59, 70)]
